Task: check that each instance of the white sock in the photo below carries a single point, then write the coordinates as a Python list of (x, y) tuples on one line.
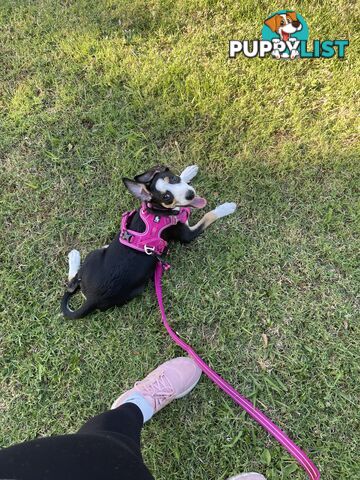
[(145, 407)]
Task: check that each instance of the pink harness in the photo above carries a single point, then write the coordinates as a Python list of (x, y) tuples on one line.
[(150, 240), (151, 243)]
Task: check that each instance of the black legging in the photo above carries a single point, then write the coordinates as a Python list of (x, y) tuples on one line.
[(107, 447)]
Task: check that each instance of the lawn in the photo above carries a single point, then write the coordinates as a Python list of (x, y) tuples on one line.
[(92, 91)]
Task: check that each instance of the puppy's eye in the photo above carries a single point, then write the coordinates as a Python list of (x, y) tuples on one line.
[(282, 22), (174, 179), (166, 197)]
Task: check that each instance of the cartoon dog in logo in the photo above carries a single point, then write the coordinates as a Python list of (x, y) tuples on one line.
[(284, 24)]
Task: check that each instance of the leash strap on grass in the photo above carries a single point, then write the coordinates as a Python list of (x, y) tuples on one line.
[(255, 413)]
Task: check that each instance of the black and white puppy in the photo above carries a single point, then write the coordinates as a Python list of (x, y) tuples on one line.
[(114, 274)]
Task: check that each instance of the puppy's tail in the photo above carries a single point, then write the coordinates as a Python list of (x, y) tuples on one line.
[(85, 308)]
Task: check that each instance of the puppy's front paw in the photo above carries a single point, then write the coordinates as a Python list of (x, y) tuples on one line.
[(189, 173), (225, 209)]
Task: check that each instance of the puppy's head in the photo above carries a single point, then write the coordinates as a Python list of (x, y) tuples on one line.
[(284, 24), (163, 188)]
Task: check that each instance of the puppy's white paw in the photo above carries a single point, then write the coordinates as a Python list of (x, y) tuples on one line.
[(74, 263), (225, 209), (189, 173)]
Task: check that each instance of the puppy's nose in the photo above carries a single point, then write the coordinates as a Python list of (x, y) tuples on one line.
[(190, 195), (296, 23)]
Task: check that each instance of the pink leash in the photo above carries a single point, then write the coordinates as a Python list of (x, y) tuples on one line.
[(256, 414)]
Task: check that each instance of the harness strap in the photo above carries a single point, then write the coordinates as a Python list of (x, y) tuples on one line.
[(149, 241), (254, 412)]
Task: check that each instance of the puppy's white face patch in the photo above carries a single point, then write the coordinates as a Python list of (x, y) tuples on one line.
[(178, 190)]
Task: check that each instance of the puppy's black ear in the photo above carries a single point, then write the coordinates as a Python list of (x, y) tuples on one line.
[(137, 189), (146, 177)]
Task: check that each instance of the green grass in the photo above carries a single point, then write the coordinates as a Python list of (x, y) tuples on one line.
[(95, 90)]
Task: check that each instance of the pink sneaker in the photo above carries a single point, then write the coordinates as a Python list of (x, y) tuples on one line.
[(171, 380), (248, 476)]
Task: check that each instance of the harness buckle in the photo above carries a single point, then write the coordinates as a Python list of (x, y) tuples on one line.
[(149, 250)]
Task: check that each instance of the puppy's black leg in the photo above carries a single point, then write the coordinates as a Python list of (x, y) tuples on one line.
[(185, 234)]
